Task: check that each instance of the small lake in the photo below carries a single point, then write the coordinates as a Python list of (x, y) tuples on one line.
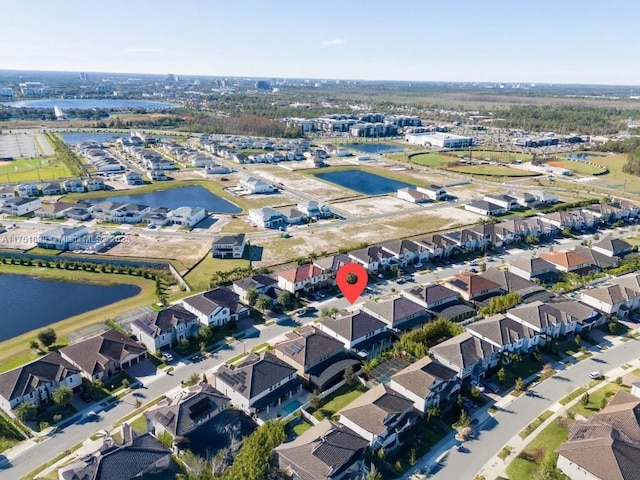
[(29, 303), (88, 104), (363, 182), (190, 196), (374, 147), (79, 137)]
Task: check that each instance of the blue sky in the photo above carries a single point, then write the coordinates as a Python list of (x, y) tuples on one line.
[(560, 41)]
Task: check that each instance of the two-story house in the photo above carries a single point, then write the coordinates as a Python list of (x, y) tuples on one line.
[(258, 383), (374, 259), (616, 297), (165, 328), (467, 355), (359, 332), (262, 284), (471, 286), (187, 216), (267, 217), (306, 278), (35, 382), (216, 307), (228, 246), (398, 313)]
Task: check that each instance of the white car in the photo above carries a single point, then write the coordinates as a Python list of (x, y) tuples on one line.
[(167, 356), (595, 375)]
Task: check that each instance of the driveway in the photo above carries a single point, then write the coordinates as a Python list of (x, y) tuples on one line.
[(143, 371)]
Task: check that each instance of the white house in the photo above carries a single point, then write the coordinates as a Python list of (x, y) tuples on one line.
[(255, 185), (228, 246), (59, 238), (306, 277), (267, 217), (187, 216), (165, 328), (20, 206), (482, 207), (216, 307)]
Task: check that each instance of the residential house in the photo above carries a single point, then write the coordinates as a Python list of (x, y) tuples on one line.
[(136, 458), (374, 259), (6, 191), (216, 307), (165, 328), (307, 277), (157, 217), (563, 220), (482, 207), (533, 267), (606, 213), (616, 297), (36, 381), (545, 319), (612, 247), (187, 216), (504, 201), (102, 356), (512, 283), (56, 210), (434, 192), (51, 188), (607, 445), (585, 316), (544, 196), (119, 212), (524, 199), (228, 246), (327, 451), (133, 178), (186, 411), (426, 382), (258, 383), (293, 216), (432, 295), (19, 206), (380, 416), (596, 259), (25, 190), (358, 331), (157, 175), (313, 209), (267, 217), (399, 313), (404, 252), (567, 261), (332, 264), (466, 354), (506, 334), (253, 185), (94, 184), (60, 238), (471, 286), (413, 195), (73, 186), (262, 284), (319, 359)]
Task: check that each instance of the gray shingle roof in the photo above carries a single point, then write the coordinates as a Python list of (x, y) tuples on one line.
[(308, 346), (164, 321), (354, 325), (208, 302), (27, 378), (396, 310), (421, 375)]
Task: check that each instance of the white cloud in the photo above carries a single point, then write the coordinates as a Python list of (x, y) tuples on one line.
[(333, 43), (141, 49)]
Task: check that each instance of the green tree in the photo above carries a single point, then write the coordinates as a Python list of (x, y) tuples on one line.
[(26, 411), (432, 412), (577, 339), (47, 337), (314, 400), (374, 473), (284, 299), (205, 333), (161, 291), (252, 296), (192, 380), (349, 377), (520, 385), (34, 345), (584, 400), (62, 395), (502, 375), (263, 303)]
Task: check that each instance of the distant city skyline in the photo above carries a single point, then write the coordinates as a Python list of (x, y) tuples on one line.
[(543, 41)]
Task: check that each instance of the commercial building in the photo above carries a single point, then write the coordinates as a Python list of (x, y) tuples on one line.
[(441, 140)]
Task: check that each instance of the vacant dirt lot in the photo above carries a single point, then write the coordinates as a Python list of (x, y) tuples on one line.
[(371, 206), (304, 183), (187, 251)]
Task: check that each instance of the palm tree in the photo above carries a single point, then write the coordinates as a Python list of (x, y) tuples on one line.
[(63, 395), (251, 296), (263, 303), (26, 411)]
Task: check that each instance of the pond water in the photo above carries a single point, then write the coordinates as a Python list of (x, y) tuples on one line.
[(363, 182), (214, 435), (88, 103), (29, 303), (190, 196), (580, 156), (80, 137), (374, 147)]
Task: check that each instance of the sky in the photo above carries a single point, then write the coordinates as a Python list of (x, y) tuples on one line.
[(539, 41)]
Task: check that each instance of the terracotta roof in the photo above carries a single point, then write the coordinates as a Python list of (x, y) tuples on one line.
[(471, 283), (567, 259), (302, 273)]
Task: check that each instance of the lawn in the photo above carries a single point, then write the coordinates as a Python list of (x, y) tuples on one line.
[(139, 425), (9, 434), (65, 410), (492, 170), (579, 168), (522, 369), (297, 427), (433, 160), (199, 276), (34, 169), (15, 352), (596, 399), (529, 429), (338, 400), (525, 465)]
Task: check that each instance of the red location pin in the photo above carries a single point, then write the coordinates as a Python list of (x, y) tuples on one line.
[(352, 291)]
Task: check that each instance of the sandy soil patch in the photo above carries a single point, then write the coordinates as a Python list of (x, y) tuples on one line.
[(23, 237), (373, 205), (309, 185), (187, 251)]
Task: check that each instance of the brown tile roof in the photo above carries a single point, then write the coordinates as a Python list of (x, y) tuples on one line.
[(567, 259), (419, 376), (301, 274), (471, 283)]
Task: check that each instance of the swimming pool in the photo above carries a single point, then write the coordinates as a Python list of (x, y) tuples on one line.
[(291, 407)]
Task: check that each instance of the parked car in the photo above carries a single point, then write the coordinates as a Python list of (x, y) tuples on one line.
[(492, 387), (595, 375), (478, 385), (167, 357), (86, 396)]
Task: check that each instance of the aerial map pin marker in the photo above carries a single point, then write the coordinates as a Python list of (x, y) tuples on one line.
[(352, 291)]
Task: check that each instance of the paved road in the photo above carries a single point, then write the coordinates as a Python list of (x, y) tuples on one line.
[(521, 411), (162, 384)]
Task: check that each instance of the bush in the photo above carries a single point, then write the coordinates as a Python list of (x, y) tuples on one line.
[(57, 417)]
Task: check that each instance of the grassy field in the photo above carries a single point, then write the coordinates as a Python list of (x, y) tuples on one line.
[(596, 399), (33, 170), (9, 434), (338, 400), (432, 160), (492, 170), (526, 464), (16, 351), (199, 276), (578, 168)]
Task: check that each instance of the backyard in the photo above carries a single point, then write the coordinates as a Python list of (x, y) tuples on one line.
[(598, 399), (337, 401)]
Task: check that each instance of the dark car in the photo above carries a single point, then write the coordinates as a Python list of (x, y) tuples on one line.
[(86, 396)]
